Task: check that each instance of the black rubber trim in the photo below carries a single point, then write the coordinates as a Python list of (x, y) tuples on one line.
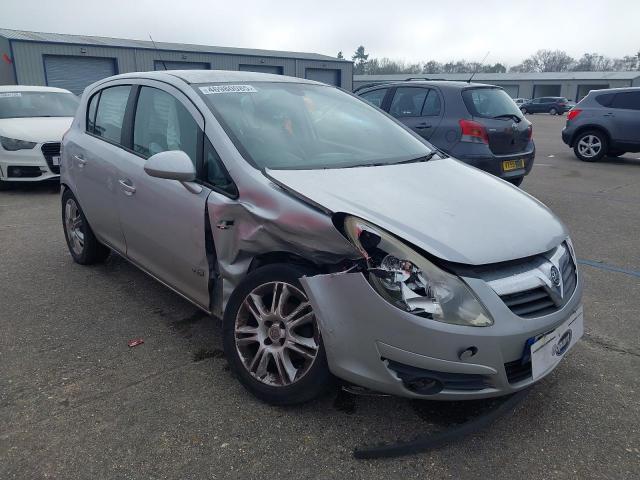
[(424, 443)]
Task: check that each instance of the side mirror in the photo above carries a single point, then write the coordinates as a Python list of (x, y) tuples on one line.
[(172, 165)]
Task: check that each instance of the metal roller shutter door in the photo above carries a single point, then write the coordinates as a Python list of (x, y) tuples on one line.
[(75, 73), (160, 65), (274, 69), (324, 75)]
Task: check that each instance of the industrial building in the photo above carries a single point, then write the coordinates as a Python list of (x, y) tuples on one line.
[(572, 85), (75, 61)]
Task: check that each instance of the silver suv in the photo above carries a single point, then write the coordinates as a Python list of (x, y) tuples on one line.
[(605, 122), (332, 240)]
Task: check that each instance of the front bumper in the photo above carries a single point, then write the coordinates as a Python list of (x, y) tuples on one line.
[(493, 163), (366, 339), (26, 165)]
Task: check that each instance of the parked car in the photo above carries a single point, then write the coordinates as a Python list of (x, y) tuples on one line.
[(477, 124), (520, 101), (330, 238), (550, 105), (32, 121), (605, 122)]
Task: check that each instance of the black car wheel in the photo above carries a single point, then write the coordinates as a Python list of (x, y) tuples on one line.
[(590, 146), (83, 244), (271, 337), (553, 111), (524, 110)]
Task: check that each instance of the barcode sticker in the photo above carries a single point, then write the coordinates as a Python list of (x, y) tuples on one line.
[(10, 94), (214, 89)]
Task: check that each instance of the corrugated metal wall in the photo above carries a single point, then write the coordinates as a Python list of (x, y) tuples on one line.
[(30, 66), (6, 67)]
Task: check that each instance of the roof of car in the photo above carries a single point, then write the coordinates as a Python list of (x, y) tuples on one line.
[(216, 76), (431, 83), (31, 88)]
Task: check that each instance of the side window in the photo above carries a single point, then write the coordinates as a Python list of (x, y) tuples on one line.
[(91, 113), (605, 99), (214, 172), (626, 100), (376, 97), (408, 101), (110, 114), (431, 105), (162, 123)]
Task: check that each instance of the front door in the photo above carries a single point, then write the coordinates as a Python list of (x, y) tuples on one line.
[(162, 221)]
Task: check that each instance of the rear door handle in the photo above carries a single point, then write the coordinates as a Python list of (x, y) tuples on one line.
[(127, 187), (423, 125), (81, 161), (609, 114)]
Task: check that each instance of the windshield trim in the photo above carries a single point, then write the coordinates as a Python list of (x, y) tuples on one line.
[(250, 160)]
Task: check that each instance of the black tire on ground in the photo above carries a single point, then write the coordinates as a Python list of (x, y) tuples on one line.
[(591, 136), (516, 181), (92, 250), (310, 385), (524, 110), (615, 153), (553, 111)]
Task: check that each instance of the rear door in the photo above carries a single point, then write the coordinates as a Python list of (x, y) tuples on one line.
[(625, 117), (419, 108), (507, 129), (162, 221)]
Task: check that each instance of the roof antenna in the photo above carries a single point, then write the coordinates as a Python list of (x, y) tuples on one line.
[(161, 60), (476, 71)]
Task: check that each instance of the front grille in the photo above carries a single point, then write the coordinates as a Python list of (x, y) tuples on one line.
[(518, 371), (50, 150), (537, 301)]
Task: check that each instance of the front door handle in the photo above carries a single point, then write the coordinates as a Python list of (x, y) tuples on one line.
[(127, 187), (423, 126), (81, 161)]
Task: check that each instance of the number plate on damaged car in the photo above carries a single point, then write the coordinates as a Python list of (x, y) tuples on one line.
[(509, 165)]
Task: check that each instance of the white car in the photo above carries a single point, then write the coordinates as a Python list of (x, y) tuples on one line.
[(520, 101), (32, 122)]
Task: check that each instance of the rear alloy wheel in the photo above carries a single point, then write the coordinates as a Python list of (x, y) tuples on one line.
[(272, 340), (590, 146), (83, 245), (553, 111)]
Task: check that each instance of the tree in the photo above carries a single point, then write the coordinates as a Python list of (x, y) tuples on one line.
[(496, 68), (593, 62), (432, 67), (546, 61), (340, 56), (360, 61)]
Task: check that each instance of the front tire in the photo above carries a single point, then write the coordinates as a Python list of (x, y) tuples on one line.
[(590, 146), (271, 337), (82, 243), (524, 111), (553, 111)]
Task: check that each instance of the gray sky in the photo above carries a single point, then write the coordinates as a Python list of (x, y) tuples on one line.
[(410, 30)]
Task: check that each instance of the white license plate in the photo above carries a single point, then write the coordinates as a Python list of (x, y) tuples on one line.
[(547, 352), (55, 160)]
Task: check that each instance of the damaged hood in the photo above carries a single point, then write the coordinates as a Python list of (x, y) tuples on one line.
[(453, 211)]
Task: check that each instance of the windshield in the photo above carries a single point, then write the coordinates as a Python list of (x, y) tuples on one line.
[(490, 103), (304, 126), (37, 104)]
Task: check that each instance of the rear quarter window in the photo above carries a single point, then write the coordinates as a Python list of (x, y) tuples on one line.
[(605, 99)]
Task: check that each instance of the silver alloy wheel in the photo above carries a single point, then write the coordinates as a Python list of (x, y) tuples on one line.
[(276, 334), (73, 226), (589, 146)]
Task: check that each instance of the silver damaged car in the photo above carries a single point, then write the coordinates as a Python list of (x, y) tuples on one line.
[(333, 241)]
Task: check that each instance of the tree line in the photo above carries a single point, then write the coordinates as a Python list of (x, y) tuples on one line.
[(541, 61)]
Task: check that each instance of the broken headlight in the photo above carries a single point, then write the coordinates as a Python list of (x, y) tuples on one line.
[(411, 282)]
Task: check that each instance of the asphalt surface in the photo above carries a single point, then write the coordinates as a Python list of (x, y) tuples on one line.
[(77, 402)]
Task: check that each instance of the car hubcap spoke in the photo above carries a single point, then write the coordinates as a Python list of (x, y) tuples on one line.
[(277, 344), (73, 226)]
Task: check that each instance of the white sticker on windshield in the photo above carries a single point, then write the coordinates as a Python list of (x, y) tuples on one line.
[(213, 89), (10, 94)]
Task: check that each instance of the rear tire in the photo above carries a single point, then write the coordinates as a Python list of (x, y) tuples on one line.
[(83, 245), (590, 146), (276, 353), (553, 111)]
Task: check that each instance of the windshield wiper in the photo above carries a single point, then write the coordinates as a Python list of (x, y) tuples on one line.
[(509, 115), (424, 158)]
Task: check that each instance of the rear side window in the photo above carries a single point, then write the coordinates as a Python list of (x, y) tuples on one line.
[(489, 102), (110, 113), (408, 102), (432, 104), (626, 100), (605, 99), (162, 123), (376, 97)]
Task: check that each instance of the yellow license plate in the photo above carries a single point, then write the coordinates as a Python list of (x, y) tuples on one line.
[(509, 165)]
